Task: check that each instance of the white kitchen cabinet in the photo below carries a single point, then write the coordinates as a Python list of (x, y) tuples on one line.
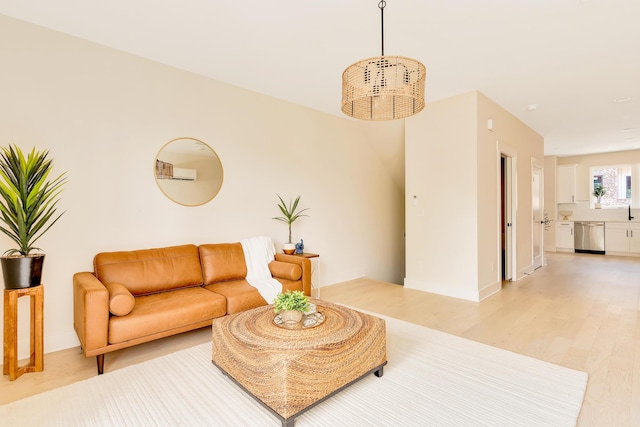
[(622, 238), (566, 184), (634, 238), (616, 237), (564, 236)]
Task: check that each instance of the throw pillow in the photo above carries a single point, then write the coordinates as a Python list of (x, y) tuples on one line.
[(121, 301), (285, 270)]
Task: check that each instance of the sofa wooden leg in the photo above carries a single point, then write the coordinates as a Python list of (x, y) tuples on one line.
[(100, 360)]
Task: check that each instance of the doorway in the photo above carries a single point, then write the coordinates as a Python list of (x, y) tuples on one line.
[(507, 214)]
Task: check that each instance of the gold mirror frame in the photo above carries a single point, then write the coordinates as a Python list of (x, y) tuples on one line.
[(188, 171)]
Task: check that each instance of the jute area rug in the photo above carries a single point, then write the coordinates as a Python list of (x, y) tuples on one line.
[(432, 379)]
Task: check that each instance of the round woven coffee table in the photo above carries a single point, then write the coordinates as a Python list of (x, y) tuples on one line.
[(291, 370)]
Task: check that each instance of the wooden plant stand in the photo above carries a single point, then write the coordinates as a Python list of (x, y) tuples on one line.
[(36, 363)]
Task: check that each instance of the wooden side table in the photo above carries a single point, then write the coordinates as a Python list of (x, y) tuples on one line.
[(36, 363), (315, 272)]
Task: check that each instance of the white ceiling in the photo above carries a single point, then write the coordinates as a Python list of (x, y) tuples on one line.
[(571, 58)]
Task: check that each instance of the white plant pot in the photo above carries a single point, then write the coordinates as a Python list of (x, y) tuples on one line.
[(598, 205), (289, 248), (291, 319)]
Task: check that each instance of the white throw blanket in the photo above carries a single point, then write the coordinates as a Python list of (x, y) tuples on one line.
[(258, 253)]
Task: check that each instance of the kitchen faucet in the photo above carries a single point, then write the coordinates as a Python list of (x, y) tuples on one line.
[(630, 217)]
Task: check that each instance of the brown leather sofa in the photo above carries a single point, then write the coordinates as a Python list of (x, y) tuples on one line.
[(138, 296)]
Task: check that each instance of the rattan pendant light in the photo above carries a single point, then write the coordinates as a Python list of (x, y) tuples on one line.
[(384, 87)]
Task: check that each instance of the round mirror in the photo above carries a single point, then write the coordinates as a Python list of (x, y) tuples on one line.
[(188, 171)]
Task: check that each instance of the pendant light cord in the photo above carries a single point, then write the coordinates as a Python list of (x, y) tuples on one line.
[(381, 5)]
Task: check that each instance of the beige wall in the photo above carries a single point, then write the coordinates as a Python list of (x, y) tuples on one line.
[(441, 198), (104, 115), (453, 170)]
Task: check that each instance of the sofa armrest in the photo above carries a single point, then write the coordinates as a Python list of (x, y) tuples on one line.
[(90, 312), (305, 264)]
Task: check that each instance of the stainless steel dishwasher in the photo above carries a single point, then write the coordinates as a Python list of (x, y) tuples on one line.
[(588, 237)]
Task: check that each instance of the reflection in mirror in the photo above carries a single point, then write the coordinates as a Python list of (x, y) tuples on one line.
[(188, 171)]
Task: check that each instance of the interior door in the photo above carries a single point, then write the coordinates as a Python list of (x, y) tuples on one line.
[(537, 214)]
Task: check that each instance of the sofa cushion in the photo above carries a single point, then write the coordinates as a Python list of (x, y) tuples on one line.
[(166, 311), (240, 295), (150, 270), (121, 301), (285, 270), (222, 262)]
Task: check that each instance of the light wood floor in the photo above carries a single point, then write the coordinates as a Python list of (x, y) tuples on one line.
[(578, 311)]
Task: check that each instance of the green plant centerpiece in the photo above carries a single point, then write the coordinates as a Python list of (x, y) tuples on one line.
[(598, 191), (289, 216), (291, 306), (28, 199)]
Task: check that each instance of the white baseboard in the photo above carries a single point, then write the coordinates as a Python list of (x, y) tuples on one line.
[(523, 272), (52, 342), (441, 290), (56, 342), (341, 276), (489, 290), (630, 254)]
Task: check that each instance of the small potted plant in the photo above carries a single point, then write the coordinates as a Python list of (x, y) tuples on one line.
[(28, 198), (599, 191), (291, 306), (289, 217)]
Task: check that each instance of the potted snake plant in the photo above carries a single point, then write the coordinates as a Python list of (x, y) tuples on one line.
[(28, 199)]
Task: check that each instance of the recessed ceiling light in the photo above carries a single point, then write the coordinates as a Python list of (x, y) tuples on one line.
[(532, 107), (630, 139), (627, 129), (622, 99)]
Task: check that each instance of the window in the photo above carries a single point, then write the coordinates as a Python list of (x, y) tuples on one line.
[(597, 180), (616, 181)]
